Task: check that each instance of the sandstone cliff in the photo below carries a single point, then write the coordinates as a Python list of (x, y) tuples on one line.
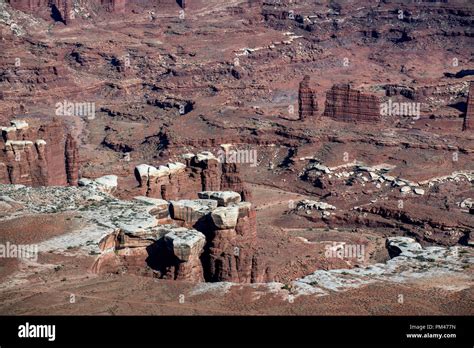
[(211, 239), (38, 153), (308, 106), (201, 172), (349, 105)]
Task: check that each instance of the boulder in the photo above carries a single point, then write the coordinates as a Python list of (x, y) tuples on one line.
[(419, 191), (107, 183), (191, 211), (321, 168), (84, 182), (188, 156), (185, 243), (244, 209), (405, 189), (223, 198), (467, 203), (142, 173), (19, 124), (225, 217), (388, 177)]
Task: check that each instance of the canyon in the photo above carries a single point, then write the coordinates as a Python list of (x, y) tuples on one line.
[(237, 157)]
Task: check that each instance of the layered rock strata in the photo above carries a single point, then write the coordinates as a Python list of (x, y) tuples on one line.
[(115, 6), (209, 239), (72, 160), (28, 5), (231, 252), (468, 118), (38, 155), (349, 105), (308, 106), (201, 172)]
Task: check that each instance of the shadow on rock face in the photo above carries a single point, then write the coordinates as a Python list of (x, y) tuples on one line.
[(160, 259), (461, 106), (393, 251), (56, 14)]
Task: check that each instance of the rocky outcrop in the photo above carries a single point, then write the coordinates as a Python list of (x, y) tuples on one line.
[(308, 105), (407, 258), (468, 118), (170, 181), (210, 170), (225, 218), (38, 154), (309, 204), (107, 184), (223, 199), (72, 160), (231, 245), (191, 211), (186, 246), (169, 251), (18, 82), (442, 227), (60, 10), (212, 239), (116, 6), (349, 105), (231, 180), (201, 172), (28, 5)]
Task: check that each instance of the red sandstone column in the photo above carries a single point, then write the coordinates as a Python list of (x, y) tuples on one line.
[(470, 109), (306, 99)]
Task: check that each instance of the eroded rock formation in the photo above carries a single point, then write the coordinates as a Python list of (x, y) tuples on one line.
[(38, 154), (201, 172), (72, 160), (349, 105), (207, 239), (231, 250), (470, 109), (27, 5), (308, 105), (116, 6)]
